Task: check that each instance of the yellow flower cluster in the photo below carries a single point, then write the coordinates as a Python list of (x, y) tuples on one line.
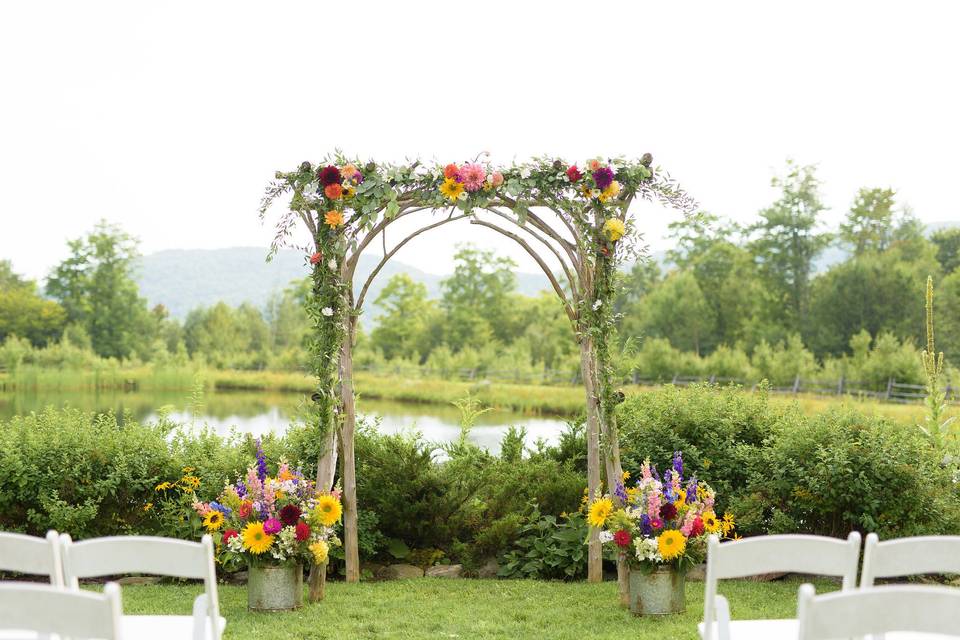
[(451, 189)]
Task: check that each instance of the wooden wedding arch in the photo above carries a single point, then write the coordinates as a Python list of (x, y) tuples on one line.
[(572, 219)]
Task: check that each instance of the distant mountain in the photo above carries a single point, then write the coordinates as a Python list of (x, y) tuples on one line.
[(184, 279)]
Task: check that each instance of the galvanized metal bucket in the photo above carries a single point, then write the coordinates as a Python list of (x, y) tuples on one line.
[(275, 588), (658, 593)]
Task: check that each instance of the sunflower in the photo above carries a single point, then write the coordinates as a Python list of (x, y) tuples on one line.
[(163, 486), (451, 189), (671, 544), (213, 520), (320, 551), (728, 524), (599, 512), (328, 510), (255, 539), (710, 522), (333, 218)]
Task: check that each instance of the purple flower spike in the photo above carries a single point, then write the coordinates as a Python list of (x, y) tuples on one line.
[(620, 492), (678, 464), (261, 462)]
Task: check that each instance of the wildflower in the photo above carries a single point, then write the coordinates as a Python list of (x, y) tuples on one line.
[(625, 476), (333, 191), (350, 172), (614, 229), (148, 506), (573, 174), (333, 219), (329, 175), (272, 526), (593, 165), (622, 538), (261, 462), (710, 522), (302, 531), (290, 514), (255, 539), (656, 523), (605, 537), (245, 509), (472, 176), (213, 520), (451, 172), (462, 195), (163, 486), (526, 172), (332, 264), (620, 492), (671, 544), (728, 524), (668, 511), (316, 257), (348, 192), (597, 304), (229, 535), (328, 510), (320, 551), (496, 179), (451, 189), (327, 311), (696, 529), (188, 469), (599, 512), (612, 191)]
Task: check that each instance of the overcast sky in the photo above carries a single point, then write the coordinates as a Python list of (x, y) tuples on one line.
[(170, 117)]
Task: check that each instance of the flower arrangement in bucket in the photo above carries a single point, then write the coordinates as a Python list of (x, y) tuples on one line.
[(274, 525), (661, 530)]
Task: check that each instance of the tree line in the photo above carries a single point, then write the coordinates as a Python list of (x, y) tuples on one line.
[(732, 300)]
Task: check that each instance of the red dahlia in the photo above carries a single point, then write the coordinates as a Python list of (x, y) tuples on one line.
[(329, 175), (315, 258), (574, 174), (697, 528), (451, 171), (668, 512), (290, 514), (302, 531), (229, 534), (622, 538)]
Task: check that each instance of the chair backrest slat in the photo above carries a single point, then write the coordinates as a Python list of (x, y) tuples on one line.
[(861, 612), (909, 557), (134, 554), (48, 609), (32, 555)]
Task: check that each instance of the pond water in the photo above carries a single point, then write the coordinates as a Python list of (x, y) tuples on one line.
[(264, 412)]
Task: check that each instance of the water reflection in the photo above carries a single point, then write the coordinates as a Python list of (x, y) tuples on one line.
[(264, 412)]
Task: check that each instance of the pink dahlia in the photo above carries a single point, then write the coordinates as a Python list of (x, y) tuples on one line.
[(472, 176), (496, 179), (272, 526)]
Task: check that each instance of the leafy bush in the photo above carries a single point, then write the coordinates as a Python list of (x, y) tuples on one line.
[(547, 547)]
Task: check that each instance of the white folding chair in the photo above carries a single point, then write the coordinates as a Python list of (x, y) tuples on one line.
[(879, 610), (156, 556), (909, 557), (43, 609), (32, 555), (815, 555)]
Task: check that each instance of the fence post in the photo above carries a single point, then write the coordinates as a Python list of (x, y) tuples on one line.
[(713, 378), (635, 377), (840, 386), (889, 388), (674, 381), (796, 384)]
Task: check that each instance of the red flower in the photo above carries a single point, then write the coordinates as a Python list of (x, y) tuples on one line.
[(302, 531), (333, 191), (329, 175), (696, 529), (229, 534), (668, 512), (315, 258), (290, 514), (451, 171), (622, 538), (574, 174), (246, 508)]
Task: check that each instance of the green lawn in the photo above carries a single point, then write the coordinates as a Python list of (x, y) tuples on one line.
[(438, 608)]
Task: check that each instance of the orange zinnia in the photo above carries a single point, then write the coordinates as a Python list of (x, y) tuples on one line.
[(333, 191), (333, 218)]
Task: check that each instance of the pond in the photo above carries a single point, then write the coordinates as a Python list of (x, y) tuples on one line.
[(264, 412)]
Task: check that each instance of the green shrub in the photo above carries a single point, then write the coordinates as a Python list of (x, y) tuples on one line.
[(547, 547)]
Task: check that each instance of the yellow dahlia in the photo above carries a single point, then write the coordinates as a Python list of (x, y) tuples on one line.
[(328, 510), (614, 229), (255, 539), (213, 520), (333, 218), (451, 189), (320, 551), (599, 512), (710, 522), (671, 544)]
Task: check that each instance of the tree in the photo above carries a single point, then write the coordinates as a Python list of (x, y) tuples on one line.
[(947, 242), (24, 313), (476, 298), (404, 328), (787, 241), (869, 224), (96, 288), (677, 310)]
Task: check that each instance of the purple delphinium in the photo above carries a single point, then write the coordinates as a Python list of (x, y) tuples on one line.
[(620, 492), (216, 506), (241, 489), (678, 464), (654, 473), (261, 462), (692, 490), (645, 527), (603, 177)]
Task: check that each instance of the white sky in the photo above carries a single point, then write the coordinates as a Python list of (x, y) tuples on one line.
[(170, 117)]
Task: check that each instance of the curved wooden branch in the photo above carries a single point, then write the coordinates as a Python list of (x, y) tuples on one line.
[(386, 256), (351, 262), (571, 313)]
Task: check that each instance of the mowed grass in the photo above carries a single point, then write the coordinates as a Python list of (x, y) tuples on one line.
[(483, 609)]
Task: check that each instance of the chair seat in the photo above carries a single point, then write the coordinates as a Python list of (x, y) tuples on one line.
[(757, 630), (162, 627)]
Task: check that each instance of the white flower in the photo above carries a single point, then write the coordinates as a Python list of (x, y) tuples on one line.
[(595, 193), (605, 537), (462, 196), (311, 189), (596, 305), (525, 172), (421, 170), (327, 311), (332, 264)]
